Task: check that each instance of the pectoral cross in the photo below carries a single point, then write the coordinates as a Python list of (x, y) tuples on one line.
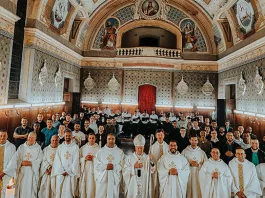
[(67, 155), (27, 156), (110, 158), (52, 157)]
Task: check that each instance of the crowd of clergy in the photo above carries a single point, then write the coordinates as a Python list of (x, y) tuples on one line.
[(191, 157)]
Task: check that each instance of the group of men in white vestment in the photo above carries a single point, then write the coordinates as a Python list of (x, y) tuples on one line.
[(65, 171)]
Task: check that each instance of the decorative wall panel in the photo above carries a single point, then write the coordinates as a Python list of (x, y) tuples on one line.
[(160, 79), (195, 96), (250, 101), (125, 14), (5, 53), (48, 92), (101, 92)]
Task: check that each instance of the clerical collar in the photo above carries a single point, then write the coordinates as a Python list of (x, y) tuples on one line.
[(30, 145), (173, 153), (196, 128), (194, 148), (219, 160)]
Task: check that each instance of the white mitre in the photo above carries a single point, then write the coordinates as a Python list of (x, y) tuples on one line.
[(139, 140)]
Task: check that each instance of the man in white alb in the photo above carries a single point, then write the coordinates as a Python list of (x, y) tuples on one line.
[(8, 161), (156, 151), (196, 157), (137, 171), (66, 168), (29, 157), (173, 172), (45, 189), (215, 177), (107, 168), (246, 182), (261, 175), (87, 153)]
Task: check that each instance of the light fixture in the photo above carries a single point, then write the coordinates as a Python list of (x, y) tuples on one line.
[(90, 102), (260, 115), (124, 103), (206, 108), (6, 106), (22, 105), (249, 113), (238, 112), (111, 103), (162, 105), (184, 107)]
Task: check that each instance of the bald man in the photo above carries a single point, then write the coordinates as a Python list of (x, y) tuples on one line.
[(45, 190), (29, 157), (8, 163)]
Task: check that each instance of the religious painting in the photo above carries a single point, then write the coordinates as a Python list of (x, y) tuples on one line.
[(189, 38), (150, 7), (59, 13), (245, 15), (108, 40)]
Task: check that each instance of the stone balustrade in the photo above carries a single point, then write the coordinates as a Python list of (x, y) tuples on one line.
[(149, 51)]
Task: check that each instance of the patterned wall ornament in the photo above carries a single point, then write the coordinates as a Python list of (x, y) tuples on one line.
[(207, 88), (113, 84), (182, 87), (89, 83), (43, 75), (58, 77), (242, 85), (258, 82)]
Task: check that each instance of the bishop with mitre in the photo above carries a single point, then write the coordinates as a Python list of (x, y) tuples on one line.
[(137, 171)]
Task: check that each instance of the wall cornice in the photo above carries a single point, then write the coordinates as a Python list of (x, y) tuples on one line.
[(242, 56), (36, 37), (7, 20)]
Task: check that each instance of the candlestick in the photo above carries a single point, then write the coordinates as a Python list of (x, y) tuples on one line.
[(10, 190)]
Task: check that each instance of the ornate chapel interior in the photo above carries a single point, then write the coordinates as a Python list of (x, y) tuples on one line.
[(198, 57)]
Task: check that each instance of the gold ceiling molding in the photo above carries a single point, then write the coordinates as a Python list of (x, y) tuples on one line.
[(36, 37), (200, 67), (190, 8), (241, 56)]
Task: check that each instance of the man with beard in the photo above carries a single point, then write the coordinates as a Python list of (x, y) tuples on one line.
[(46, 182), (137, 172), (40, 136), (49, 131), (87, 154), (66, 168), (215, 177), (254, 154), (157, 150), (246, 183), (173, 172), (228, 148), (29, 157), (21, 133), (107, 169), (8, 163), (196, 158)]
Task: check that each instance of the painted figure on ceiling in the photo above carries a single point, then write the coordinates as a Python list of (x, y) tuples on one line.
[(108, 40), (151, 8), (189, 38)]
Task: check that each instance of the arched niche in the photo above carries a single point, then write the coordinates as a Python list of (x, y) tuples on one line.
[(150, 23)]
